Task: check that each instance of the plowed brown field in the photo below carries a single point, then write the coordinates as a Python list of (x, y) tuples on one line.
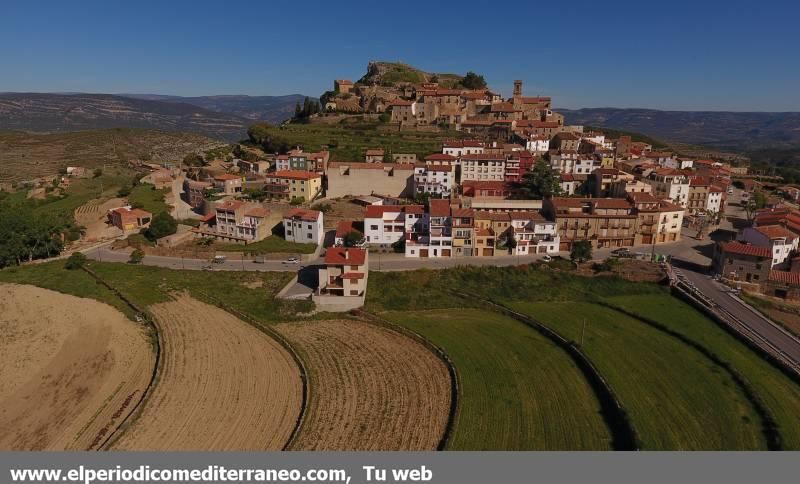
[(224, 385), (370, 388), (71, 369)]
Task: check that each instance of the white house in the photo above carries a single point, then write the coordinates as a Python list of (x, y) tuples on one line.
[(386, 224), (434, 179), (282, 163), (778, 239), (714, 202), (303, 226), (459, 148), (538, 143), (488, 166), (533, 234)]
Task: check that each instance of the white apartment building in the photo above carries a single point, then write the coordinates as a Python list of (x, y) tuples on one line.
[(437, 240), (483, 167), (670, 184), (534, 234), (386, 224), (434, 179), (714, 202), (538, 144), (303, 226)]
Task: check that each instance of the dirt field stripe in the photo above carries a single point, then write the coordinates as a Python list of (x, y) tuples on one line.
[(288, 347), (153, 325), (453, 411)]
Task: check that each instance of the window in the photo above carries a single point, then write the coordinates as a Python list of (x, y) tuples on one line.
[(373, 227), (353, 292), (308, 236)]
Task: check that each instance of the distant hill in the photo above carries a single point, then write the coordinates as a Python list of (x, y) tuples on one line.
[(272, 109), (725, 130), (73, 112)]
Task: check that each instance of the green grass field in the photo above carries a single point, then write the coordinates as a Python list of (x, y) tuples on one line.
[(149, 198), (781, 395), (249, 292), (270, 245), (518, 391), (676, 397), (347, 142)]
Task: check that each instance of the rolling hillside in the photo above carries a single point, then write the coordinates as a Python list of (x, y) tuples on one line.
[(273, 109), (73, 112), (726, 130)]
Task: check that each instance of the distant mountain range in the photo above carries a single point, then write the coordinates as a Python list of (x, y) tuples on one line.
[(739, 131), (273, 109), (220, 117)]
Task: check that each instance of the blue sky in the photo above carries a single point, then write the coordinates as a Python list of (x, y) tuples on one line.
[(700, 55)]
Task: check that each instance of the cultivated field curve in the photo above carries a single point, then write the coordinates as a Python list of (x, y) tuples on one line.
[(224, 385), (71, 369), (370, 388)]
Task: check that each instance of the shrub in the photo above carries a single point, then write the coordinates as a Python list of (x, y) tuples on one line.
[(75, 261), (136, 256)]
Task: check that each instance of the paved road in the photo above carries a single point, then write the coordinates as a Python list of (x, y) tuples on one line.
[(769, 331)]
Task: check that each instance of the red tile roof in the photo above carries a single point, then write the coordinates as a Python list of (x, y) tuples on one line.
[(440, 157), (344, 227), (775, 232), (353, 275), (345, 256), (227, 176), (259, 212), (439, 208), (302, 214), (377, 211), (792, 278), (296, 175), (229, 205), (746, 249)]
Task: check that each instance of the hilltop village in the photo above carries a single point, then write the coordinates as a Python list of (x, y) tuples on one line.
[(509, 179)]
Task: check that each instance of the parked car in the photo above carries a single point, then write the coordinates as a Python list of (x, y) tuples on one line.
[(218, 259), (546, 258), (292, 260), (621, 252)]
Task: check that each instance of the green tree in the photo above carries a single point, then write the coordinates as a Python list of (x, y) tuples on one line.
[(98, 172), (352, 239), (162, 225), (194, 159), (581, 251), (75, 261), (473, 81), (400, 245), (136, 256), (540, 182)]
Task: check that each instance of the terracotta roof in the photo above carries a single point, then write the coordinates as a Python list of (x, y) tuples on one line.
[(413, 209), (345, 255), (227, 176), (566, 177), (375, 152), (775, 232), (527, 216), (494, 216), (440, 157), (125, 212), (344, 227), (344, 81), (463, 212), (401, 102), (295, 175), (439, 208), (257, 212), (305, 214), (746, 249), (484, 156), (503, 108), (483, 232), (611, 203), (377, 211), (229, 205), (792, 278), (353, 275)]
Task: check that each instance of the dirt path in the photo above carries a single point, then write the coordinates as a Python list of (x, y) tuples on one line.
[(370, 388), (70, 369), (224, 385)]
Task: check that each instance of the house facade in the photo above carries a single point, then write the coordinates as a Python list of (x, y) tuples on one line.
[(303, 226)]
